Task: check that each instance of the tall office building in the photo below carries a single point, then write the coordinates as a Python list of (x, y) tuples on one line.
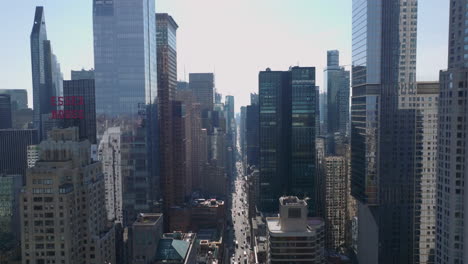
[(170, 123), (335, 201), (452, 198), (109, 154), (252, 139), (231, 134), (287, 108), (126, 91), (196, 152), (337, 88), (425, 189), (83, 108), (5, 112), (63, 215), (19, 98), (46, 75), (13, 149), (202, 84), (82, 75), (242, 129), (382, 130)]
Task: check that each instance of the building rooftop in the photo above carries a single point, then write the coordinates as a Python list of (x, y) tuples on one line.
[(172, 249), (292, 200), (207, 203), (174, 246), (313, 223), (209, 234), (147, 219)]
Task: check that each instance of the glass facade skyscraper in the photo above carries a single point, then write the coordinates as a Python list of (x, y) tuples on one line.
[(337, 89), (287, 105), (46, 75), (126, 92), (383, 128)]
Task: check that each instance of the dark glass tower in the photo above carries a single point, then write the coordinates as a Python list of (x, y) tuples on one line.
[(13, 150), (5, 111), (202, 84), (383, 128), (287, 105), (86, 122), (46, 75)]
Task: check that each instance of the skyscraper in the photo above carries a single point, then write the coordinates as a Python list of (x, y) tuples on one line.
[(335, 201), (196, 152), (452, 186), (170, 119), (5, 111), (84, 107), (19, 98), (13, 149), (425, 188), (382, 131), (287, 109), (337, 89), (63, 215), (126, 91), (202, 84), (109, 154), (46, 75)]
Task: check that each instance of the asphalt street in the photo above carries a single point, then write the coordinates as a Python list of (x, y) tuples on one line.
[(240, 251)]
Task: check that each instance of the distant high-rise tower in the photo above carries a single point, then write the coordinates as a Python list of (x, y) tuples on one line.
[(5, 111), (425, 103), (13, 149), (287, 108), (46, 75), (84, 107), (383, 130), (63, 198), (452, 184), (337, 90), (82, 75), (19, 98), (202, 84), (126, 93)]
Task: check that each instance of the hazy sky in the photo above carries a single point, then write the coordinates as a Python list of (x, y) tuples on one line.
[(233, 38)]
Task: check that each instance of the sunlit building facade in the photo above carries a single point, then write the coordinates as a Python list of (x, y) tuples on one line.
[(126, 91), (382, 130)]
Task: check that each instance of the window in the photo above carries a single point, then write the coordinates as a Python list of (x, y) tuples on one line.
[(294, 213)]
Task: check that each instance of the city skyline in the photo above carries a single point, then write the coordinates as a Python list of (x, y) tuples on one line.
[(349, 147), (203, 44)]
